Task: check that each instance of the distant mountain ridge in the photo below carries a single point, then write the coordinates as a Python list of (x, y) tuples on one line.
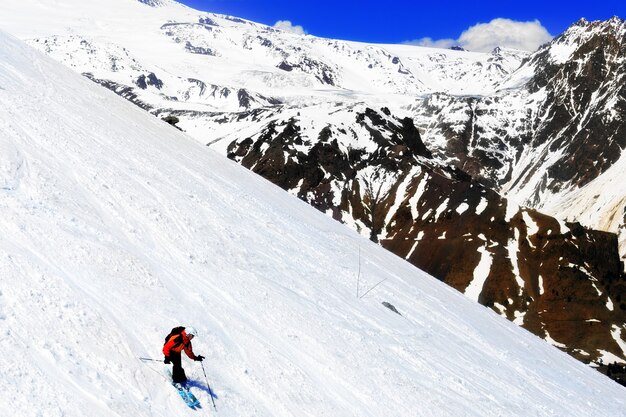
[(430, 152)]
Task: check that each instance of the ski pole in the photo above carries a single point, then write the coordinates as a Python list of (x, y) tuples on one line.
[(149, 359), (208, 386)]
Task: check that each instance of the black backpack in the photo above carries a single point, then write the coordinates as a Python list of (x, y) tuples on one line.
[(175, 331)]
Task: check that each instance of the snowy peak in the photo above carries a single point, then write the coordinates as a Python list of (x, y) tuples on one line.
[(583, 42), (579, 88)]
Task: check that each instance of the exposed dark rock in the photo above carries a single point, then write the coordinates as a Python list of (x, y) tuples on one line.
[(143, 82), (152, 3), (199, 50), (154, 81), (235, 19), (285, 66), (200, 84), (172, 120), (265, 42), (244, 98), (207, 21), (320, 70), (412, 138), (391, 307), (615, 371)]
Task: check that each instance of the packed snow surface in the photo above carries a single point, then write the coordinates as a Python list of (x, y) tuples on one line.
[(115, 227)]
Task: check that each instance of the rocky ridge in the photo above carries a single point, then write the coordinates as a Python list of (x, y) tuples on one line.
[(554, 126)]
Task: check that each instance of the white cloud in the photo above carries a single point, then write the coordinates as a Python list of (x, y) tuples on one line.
[(506, 33), (287, 26), (431, 43), (483, 37)]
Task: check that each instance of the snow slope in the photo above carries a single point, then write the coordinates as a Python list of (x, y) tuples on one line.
[(115, 227)]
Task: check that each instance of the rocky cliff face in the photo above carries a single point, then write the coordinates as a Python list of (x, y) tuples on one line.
[(371, 170), (582, 77), (553, 127), (569, 98)]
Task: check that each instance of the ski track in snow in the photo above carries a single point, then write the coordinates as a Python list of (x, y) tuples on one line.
[(116, 227)]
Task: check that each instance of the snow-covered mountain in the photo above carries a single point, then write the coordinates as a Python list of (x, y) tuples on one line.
[(427, 151), (115, 227), (553, 136), (190, 52)]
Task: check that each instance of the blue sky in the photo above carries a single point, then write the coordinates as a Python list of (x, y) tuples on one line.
[(396, 21)]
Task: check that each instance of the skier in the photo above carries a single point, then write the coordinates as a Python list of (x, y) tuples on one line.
[(179, 339)]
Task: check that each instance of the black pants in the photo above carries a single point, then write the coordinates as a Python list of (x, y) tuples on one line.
[(178, 373)]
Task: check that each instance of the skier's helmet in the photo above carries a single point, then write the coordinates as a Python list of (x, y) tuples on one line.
[(191, 331)]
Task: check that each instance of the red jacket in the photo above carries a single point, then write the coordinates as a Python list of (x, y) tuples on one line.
[(177, 343)]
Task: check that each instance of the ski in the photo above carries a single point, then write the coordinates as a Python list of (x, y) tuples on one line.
[(192, 398), (187, 396)]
